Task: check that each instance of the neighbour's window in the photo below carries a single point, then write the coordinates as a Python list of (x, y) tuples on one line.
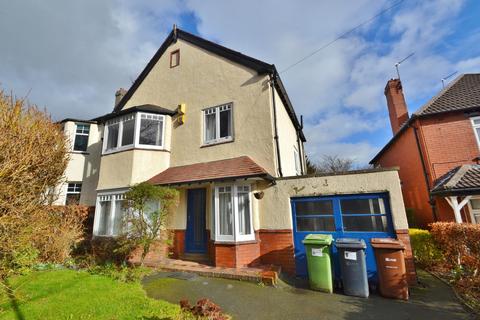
[(298, 168), (475, 209), (315, 215), (363, 215), (151, 130), (174, 58), (134, 130), (81, 137), (73, 193), (233, 214), (476, 128), (218, 124), (109, 215)]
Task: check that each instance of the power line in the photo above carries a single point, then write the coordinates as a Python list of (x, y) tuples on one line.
[(342, 35)]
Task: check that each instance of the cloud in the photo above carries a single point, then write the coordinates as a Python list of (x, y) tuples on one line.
[(72, 56)]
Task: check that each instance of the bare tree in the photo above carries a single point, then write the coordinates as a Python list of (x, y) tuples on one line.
[(334, 164)]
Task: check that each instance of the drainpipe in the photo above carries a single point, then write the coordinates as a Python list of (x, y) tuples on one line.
[(432, 199), (300, 149), (275, 137)]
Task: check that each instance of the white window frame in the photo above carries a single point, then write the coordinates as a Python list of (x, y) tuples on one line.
[(217, 124), (236, 236), (112, 197), (473, 211), (81, 134), (136, 132), (77, 189), (474, 127), (298, 168)]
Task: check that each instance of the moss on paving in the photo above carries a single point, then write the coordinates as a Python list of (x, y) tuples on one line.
[(69, 294)]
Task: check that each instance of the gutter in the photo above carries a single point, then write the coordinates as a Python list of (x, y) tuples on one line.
[(275, 137)]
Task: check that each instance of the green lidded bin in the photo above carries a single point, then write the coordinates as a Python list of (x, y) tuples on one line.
[(317, 249)]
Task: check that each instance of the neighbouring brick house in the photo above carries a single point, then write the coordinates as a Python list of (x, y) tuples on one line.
[(437, 150), (219, 126)]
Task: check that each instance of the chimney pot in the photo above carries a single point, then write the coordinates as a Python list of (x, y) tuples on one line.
[(119, 95), (397, 107)]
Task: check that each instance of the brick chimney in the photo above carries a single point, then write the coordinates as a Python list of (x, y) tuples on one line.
[(119, 95), (397, 107)]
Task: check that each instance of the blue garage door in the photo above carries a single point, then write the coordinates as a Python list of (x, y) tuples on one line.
[(362, 216)]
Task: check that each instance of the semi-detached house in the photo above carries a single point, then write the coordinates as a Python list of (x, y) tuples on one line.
[(219, 126)]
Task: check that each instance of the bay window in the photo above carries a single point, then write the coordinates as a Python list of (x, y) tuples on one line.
[(232, 211), (140, 130), (109, 215), (218, 124)]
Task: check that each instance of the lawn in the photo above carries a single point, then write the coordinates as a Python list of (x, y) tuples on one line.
[(69, 294)]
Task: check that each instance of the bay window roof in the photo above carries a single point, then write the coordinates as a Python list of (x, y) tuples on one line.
[(227, 169), (150, 108)]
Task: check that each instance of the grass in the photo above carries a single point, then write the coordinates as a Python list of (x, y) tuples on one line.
[(69, 294)]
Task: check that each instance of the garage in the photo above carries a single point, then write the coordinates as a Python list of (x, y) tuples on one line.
[(363, 216)]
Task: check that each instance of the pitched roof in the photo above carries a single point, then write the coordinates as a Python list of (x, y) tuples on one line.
[(260, 66), (462, 94), (463, 179), (151, 108), (241, 167)]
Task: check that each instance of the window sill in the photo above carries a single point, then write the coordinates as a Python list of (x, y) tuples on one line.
[(216, 143), (79, 152), (106, 153), (234, 243)]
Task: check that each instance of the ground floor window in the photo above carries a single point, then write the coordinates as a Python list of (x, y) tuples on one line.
[(475, 209), (109, 214), (73, 193), (232, 208)]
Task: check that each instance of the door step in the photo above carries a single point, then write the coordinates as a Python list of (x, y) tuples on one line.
[(197, 257)]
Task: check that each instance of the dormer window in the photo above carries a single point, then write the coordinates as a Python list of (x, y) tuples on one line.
[(174, 58), (140, 130)]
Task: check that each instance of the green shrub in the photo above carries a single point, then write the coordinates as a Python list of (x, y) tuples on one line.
[(123, 273), (425, 250)]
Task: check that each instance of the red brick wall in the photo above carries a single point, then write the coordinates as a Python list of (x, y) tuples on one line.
[(450, 142), (403, 236), (276, 247), (237, 255), (404, 153)]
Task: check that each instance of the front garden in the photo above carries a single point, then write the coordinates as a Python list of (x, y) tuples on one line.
[(451, 251)]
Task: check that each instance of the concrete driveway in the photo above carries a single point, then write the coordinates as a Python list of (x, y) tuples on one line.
[(244, 300)]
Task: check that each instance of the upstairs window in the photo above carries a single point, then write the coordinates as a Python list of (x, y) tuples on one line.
[(141, 130), (218, 124), (298, 168), (476, 128), (174, 58), (73, 193), (81, 137)]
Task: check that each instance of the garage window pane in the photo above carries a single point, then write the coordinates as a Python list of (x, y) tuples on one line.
[(365, 223), (362, 206), (305, 208), (315, 224)]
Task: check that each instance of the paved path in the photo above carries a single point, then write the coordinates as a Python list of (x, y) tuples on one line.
[(245, 300)]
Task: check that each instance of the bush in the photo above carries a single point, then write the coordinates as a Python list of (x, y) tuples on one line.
[(123, 273), (425, 251), (63, 230), (204, 309), (460, 245)]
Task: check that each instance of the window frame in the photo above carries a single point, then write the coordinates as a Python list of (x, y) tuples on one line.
[(472, 211), (172, 54), (137, 117), (77, 124), (112, 196), (474, 127), (236, 236), (75, 185), (217, 139)]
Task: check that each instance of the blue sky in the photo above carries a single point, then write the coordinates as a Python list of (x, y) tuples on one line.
[(71, 59)]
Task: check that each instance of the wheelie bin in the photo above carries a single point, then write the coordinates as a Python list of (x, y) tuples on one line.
[(392, 275), (317, 248), (353, 266)]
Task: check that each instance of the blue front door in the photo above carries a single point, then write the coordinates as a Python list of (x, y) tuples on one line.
[(196, 235), (363, 216)]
